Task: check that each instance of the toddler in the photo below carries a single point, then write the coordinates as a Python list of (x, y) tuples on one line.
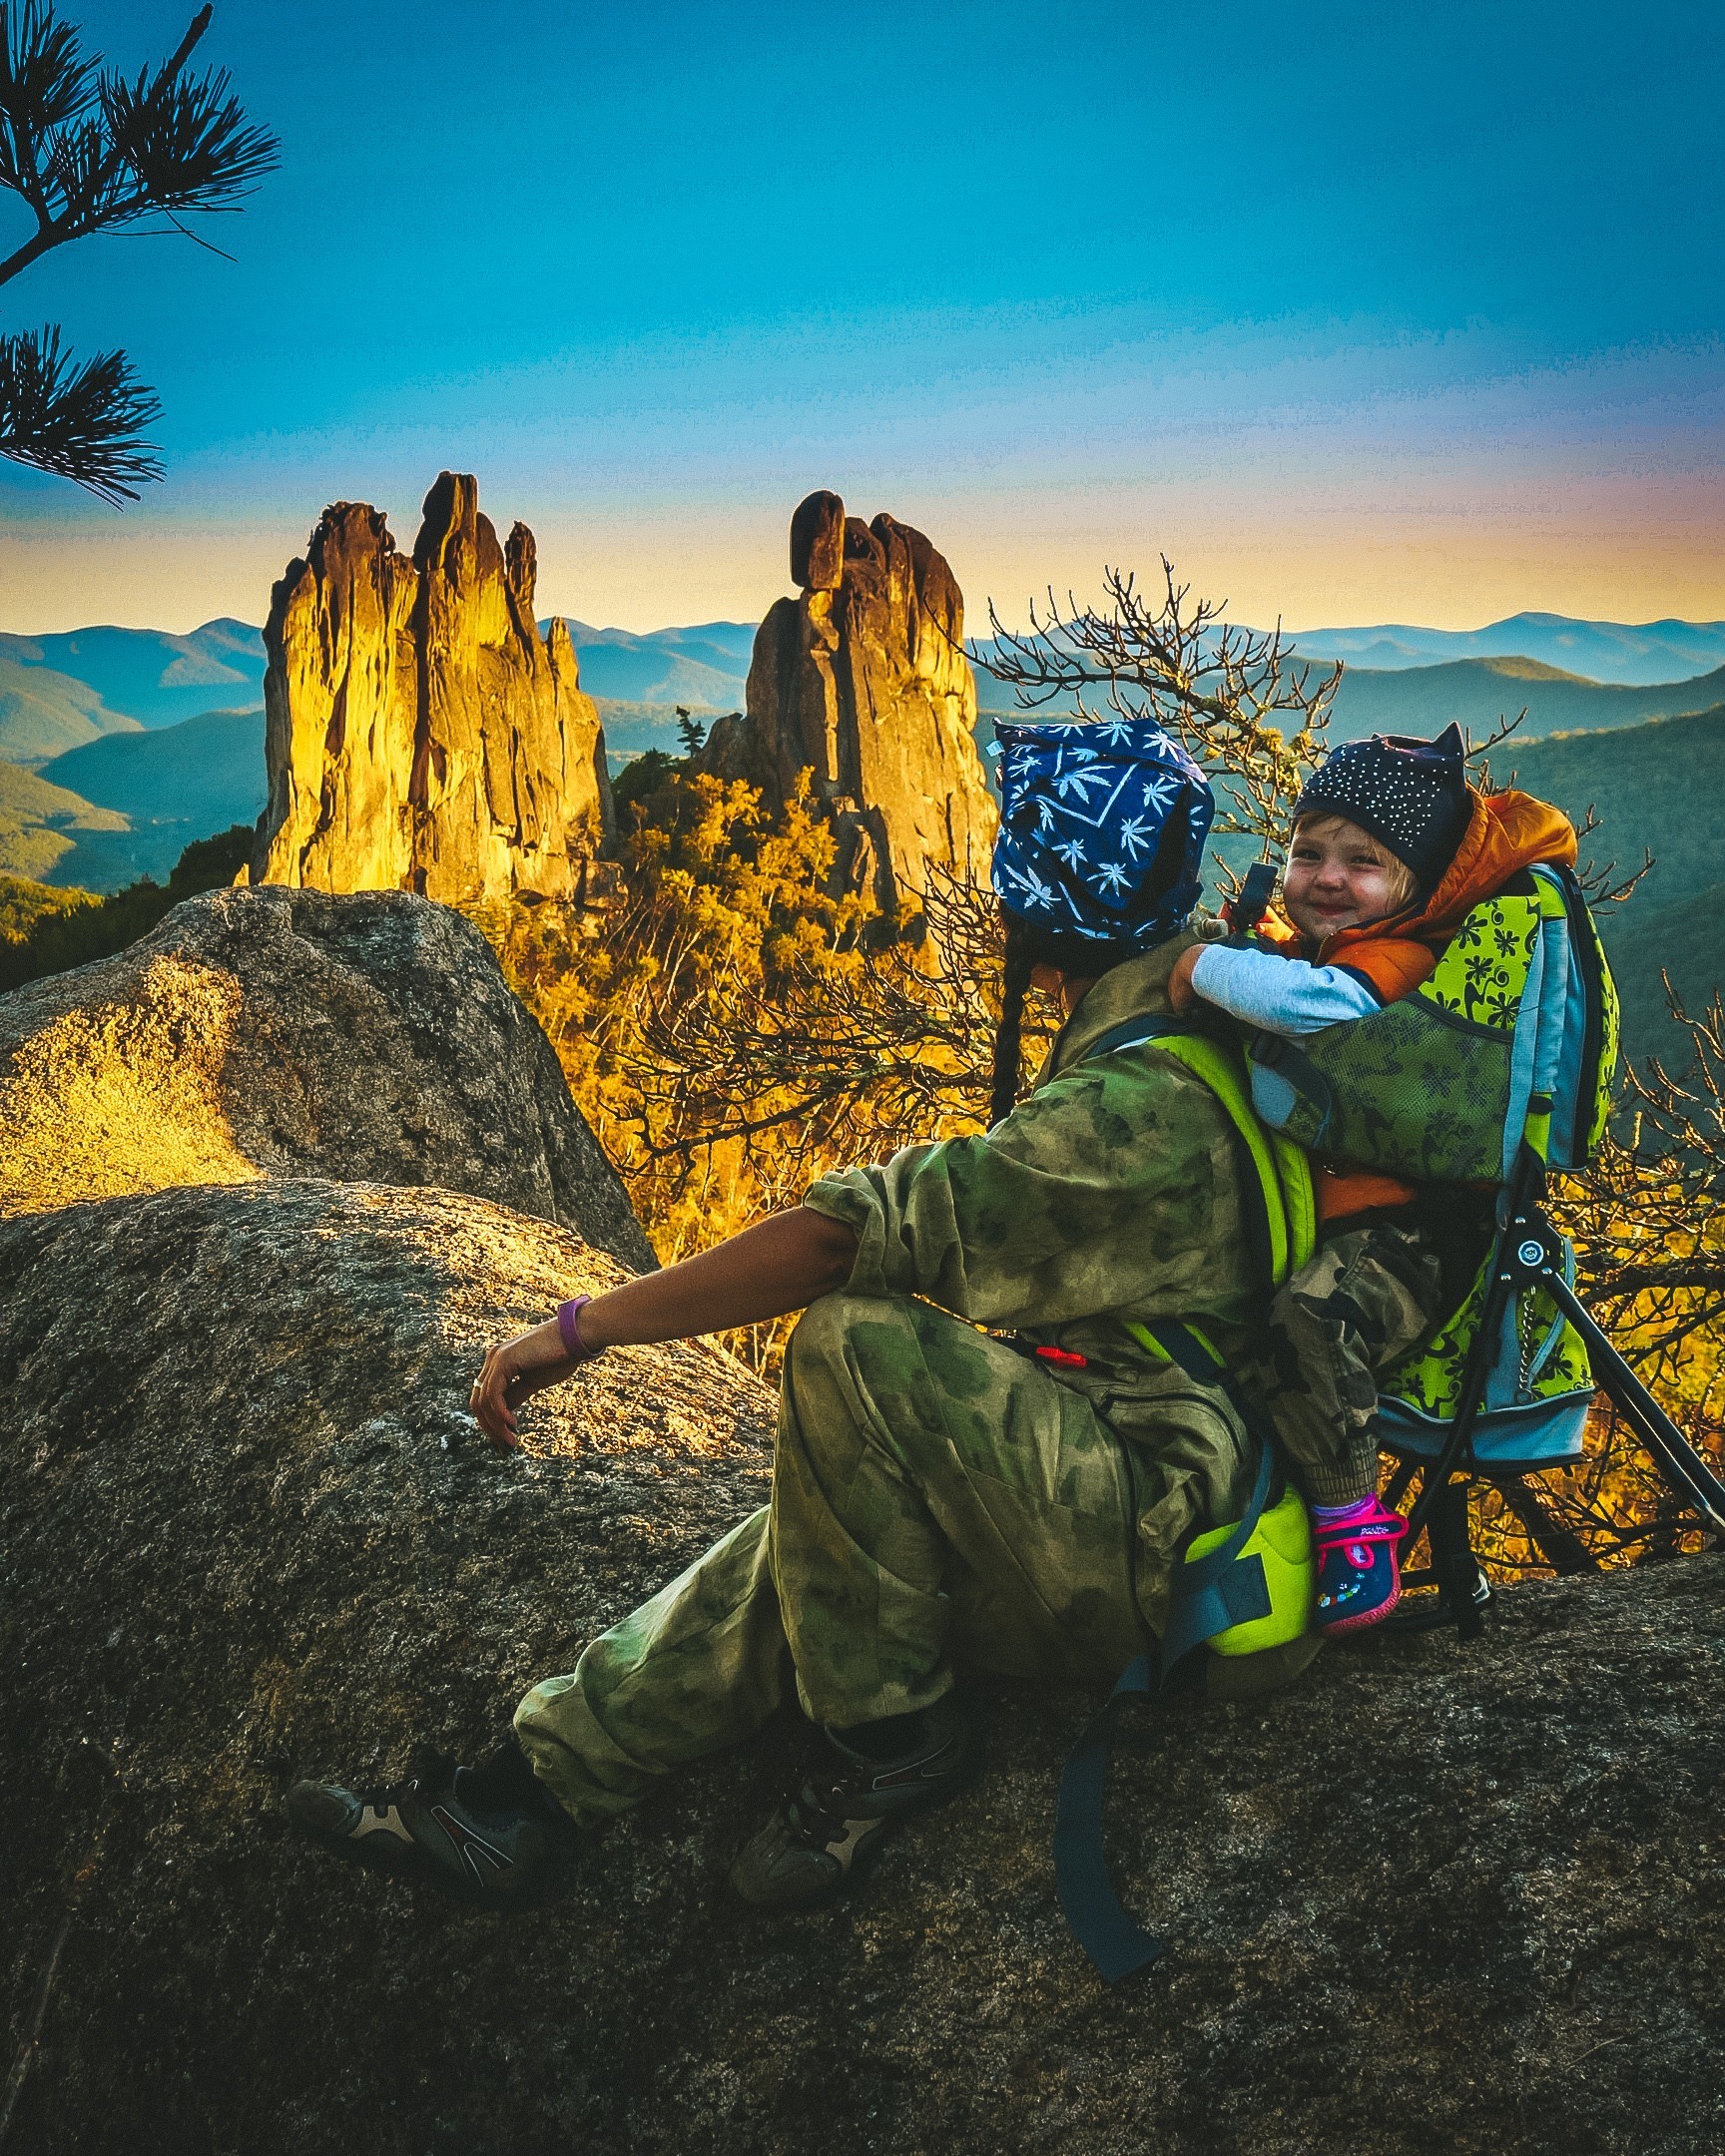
[(1391, 850)]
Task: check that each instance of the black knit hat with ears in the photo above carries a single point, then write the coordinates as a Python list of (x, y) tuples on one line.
[(1410, 794)]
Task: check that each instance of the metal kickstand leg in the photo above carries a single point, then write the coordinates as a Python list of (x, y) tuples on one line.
[(1454, 1568)]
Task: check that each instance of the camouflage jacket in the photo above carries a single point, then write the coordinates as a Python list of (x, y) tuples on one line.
[(1112, 1193)]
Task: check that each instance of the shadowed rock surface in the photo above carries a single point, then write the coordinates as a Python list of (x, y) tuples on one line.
[(419, 734), (369, 1037), (862, 681), (1432, 1899)]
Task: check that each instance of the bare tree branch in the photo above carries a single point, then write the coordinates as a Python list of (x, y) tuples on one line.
[(1249, 713)]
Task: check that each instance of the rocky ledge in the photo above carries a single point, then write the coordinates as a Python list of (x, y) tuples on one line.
[(1434, 1900), (367, 1038)]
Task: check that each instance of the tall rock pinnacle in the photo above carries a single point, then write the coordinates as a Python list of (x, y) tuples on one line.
[(420, 734), (862, 681)]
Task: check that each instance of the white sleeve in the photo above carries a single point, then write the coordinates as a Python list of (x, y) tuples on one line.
[(1281, 995)]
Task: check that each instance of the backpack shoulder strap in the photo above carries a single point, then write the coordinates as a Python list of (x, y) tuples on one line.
[(1282, 1212)]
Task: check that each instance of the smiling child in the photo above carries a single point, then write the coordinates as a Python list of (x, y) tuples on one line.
[(1391, 847)]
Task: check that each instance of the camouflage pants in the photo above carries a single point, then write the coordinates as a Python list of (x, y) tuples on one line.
[(1342, 1322), (938, 1501)]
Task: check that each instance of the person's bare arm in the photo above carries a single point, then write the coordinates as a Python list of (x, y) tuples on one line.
[(778, 1265)]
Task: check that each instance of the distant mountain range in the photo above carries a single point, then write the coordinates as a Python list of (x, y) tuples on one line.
[(704, 668), (58, 691), (1638, 653), (1477, 693)]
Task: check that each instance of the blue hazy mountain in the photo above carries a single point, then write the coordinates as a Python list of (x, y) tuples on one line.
[(172, 785), (1477, 693), (704, 666), (43, 711), (1639, 652), (129, 678)]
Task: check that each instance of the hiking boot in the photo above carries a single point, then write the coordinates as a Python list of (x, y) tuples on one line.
[(1359, 1569), (827, 1839), (482, 1836)]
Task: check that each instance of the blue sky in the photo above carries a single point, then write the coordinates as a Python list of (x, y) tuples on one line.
[(1360, 313)]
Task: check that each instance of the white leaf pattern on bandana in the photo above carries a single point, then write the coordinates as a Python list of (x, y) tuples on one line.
[(1081, 822)]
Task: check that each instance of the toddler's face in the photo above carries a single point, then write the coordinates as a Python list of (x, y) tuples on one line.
[(1339, 876)]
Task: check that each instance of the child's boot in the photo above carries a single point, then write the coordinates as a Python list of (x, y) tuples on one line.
[(1359, 1569)]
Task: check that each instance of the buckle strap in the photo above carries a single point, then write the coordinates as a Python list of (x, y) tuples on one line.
[(1184, 1345), (1332, 1537)]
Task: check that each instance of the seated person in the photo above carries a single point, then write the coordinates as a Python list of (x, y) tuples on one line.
[(942, 1501), (1391, 847)]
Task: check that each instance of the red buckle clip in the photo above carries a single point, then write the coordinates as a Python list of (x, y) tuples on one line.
[(1063, 1356)]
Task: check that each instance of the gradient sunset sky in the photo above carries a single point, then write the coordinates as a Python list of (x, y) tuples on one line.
[(1361, 313)]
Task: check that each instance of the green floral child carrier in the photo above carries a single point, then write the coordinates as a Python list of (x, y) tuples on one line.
[(1512, 1041)]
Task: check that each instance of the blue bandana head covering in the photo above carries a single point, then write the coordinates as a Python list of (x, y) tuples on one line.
[(1102, 828)]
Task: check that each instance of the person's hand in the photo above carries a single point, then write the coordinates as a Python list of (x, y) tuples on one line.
[(512, 1375), (1181, 993)]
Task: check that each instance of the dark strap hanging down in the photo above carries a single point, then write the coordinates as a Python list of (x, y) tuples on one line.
[(1115, 1941), (1210, 1595)]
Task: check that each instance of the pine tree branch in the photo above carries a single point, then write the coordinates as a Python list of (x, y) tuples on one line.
[(80, 422), (93, 152)]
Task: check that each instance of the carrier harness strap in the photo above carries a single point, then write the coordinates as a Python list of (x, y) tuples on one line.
[(1210, 1595), (1281, 1212)]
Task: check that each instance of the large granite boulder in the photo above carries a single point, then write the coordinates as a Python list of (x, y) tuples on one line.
[(274, 1031), (862, 681), (420, 734), (1432, 1899)]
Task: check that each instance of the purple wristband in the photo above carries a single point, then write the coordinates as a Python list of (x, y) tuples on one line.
[(569, 1327)]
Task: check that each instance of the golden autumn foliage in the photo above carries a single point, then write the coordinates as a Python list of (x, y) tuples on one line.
[(733, 1026)]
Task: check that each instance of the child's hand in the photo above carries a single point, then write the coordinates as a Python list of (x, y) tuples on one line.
[(1181, 993)]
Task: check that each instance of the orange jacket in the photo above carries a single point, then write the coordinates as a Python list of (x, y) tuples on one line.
[(1506, 834)]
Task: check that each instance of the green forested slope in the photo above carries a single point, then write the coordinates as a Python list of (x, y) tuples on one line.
[(25, 906), (175, 784), (1658, 789), (41, 824), (43, 712), (47, 930), (1477, 693)]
